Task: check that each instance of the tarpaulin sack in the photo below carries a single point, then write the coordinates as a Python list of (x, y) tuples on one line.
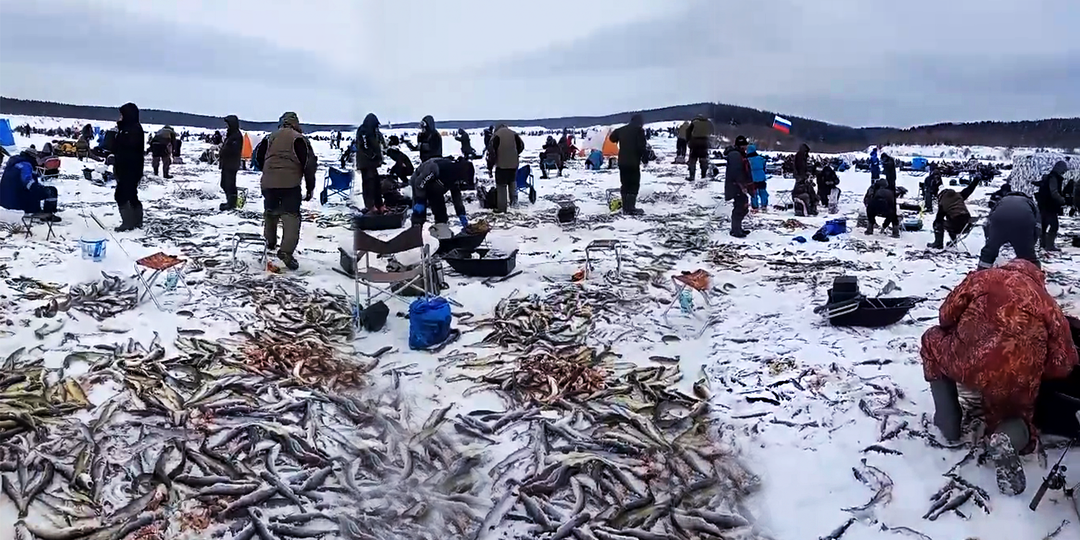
[(429, 322), (832, 227)]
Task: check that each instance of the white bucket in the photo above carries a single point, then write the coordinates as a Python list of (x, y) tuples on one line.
[(93, 248)]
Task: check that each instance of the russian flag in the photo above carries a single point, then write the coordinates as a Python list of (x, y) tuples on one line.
[(781, 124)]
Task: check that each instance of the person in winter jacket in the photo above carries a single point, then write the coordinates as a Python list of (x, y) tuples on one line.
[(466, 144), (698, 142), (738, 184), (87, 132), (804, 198), (285, 156), (403, 167), (20, 188), (505, 152), (952, 216), (430, 183), (999, 333), (229, 156), (1051, 203), (566, 146), (633, 152), (550, 155), (1014, 221), (881, 201), (888, 166), (759, 199), (680, 142), (128, 161), (996, 196), (802, 165), (216, 138), (487, 134), (930, 188), (369, 156), (428, 141), (828, 184), (875, 166), (161, 150)]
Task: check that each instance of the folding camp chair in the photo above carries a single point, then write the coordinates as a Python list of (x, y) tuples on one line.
[(159, 264), (525, 183), (338, 183), (47, 218), (364, 245), (958, 242), (603, 245), (701, 281), (249, 239), (49, 169)]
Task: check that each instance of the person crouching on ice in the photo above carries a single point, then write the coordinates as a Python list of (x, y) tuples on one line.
[(430, 183), (1001, 334)]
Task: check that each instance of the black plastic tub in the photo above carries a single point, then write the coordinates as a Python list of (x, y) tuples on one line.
[(463, 241), (877, 312), (461, 260), (380, 222), (567, 212)]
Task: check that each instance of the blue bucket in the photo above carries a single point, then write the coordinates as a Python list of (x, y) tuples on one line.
[(92, 248)]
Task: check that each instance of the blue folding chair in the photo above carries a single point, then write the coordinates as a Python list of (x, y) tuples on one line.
[(525, 183), (338, 183)]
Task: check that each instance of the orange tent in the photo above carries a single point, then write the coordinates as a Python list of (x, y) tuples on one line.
[(598, 140), (246, 152)]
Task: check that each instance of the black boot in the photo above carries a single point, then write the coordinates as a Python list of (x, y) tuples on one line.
[(127, 218), (939, 240), (947, 412), (629, 206), (137, 214), (1049, 241), (1010, 437), (870, 228), (896, 230)]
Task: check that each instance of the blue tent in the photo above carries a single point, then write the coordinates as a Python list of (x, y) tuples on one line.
[(919, 163), (100, 136), (97, 131), (7, 138)]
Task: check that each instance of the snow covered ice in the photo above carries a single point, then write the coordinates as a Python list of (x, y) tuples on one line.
[(786, 387)]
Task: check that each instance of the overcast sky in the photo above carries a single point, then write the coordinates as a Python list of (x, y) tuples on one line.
[(856, 62)]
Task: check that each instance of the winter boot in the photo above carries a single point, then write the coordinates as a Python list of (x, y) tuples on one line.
[(939, 240), (137, 214), (693, 170), (290, 232), (502, 198), (127, 218), (1049, 241), (289, 260), (896, 230), (870, 228), (629, 204), (1009, 436), (270, 224), (947, 412), (226, 206)]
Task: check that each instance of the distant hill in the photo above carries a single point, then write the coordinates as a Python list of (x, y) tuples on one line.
[(730, 120)]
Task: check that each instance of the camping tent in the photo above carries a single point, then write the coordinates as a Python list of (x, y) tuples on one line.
[(599, 140), (246, 152), (1028, 170), (7, 138)]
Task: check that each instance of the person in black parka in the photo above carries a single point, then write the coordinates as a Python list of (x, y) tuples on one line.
[(466, 144), (428, 141), (1051, 203), (633, 152), (128, 163), (369, 156), (1014, 221), (403, 167), (888, 166), (880, 200), (738, 184), (229, 160)]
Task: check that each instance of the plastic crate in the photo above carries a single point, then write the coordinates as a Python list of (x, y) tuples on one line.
[(462, 261), (462, 241)]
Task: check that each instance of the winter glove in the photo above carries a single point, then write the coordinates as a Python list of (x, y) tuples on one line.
[(309, 195), (464, 221), (418, 209)]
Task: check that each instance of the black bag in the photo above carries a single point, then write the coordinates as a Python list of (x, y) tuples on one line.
[(374, 316), (48, 205)]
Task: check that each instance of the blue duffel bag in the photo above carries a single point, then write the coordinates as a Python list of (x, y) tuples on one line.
[(429, 322)]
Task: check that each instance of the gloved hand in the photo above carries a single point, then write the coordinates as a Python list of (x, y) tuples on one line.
[(464, 221), (418, 208), (309, 195)]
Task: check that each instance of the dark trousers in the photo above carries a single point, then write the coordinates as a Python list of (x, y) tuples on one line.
[(630, 179), (127, 191), (436, 201), (228, 185), (402, 172), (952, 225), (680, 147), (1049, 216), (282, 200), (1021, 236), (505, 188), (889, 213), (740, 208), (372, 186)]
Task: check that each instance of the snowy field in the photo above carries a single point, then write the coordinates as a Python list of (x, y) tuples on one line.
[(796, 400)]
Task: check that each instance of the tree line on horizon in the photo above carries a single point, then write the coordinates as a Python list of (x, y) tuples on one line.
[(730, 121)]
